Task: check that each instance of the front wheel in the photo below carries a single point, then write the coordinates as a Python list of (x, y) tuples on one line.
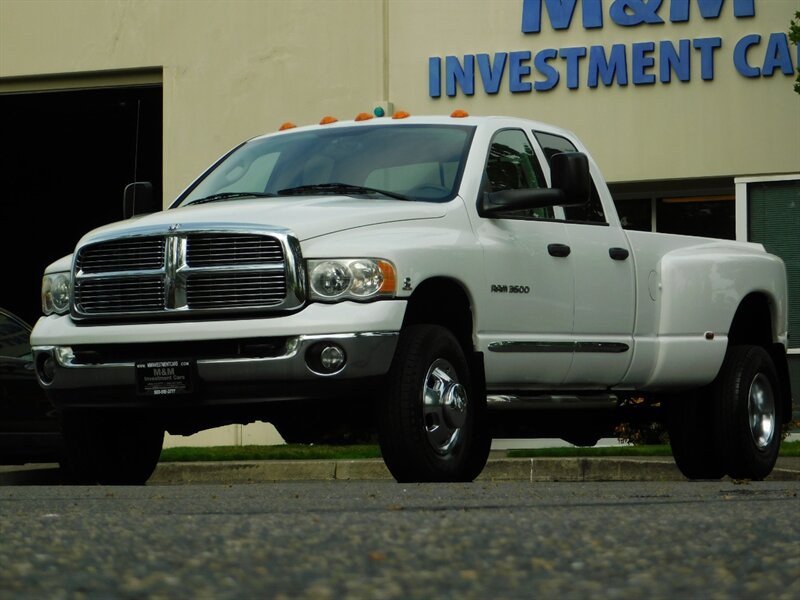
[(99, 449), (432, 423)]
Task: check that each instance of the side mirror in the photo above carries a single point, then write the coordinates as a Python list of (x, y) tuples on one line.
[(569, 172), (572, 186), (519, 199), (138, 199)]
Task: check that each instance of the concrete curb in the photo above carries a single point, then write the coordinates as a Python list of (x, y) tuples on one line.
[(532, 470), (497, 469)]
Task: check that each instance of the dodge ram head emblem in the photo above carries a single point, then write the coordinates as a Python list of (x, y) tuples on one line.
[(174, 227)]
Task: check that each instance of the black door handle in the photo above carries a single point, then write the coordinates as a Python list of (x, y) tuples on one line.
[(560, 250), (618, 253)]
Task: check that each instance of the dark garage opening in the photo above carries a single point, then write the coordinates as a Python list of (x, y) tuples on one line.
[(65, 159)]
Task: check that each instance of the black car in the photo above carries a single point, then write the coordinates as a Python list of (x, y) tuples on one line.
[(29, 429)]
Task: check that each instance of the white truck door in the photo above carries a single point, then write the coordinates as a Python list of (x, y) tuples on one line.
[(604, 287), (526, 311), (604, 305)]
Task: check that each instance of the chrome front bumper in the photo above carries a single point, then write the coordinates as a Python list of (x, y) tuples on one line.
[(367, 354)]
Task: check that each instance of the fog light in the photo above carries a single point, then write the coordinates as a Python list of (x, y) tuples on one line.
[(46, 368), (332, 358), (326, 358)]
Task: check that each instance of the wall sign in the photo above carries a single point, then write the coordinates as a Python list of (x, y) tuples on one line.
[(755, 55)]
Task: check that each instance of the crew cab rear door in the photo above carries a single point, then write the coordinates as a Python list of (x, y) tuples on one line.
[(604, 284)]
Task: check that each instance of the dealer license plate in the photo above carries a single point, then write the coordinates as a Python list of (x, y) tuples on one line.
[(164, 377)]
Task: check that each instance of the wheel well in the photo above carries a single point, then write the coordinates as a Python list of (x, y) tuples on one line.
[(752, 324), (444, 302)]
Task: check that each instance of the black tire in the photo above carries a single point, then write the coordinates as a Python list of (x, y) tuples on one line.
[(690, 425), (333, 421), (447, 438), (748, 420), (123, 450)]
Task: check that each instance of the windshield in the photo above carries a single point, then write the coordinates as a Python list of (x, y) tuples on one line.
[(412, 162)]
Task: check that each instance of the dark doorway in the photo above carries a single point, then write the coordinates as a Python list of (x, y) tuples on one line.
[(65, 159)]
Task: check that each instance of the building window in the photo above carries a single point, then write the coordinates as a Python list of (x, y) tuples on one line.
[(705, 216), (702, 206), (774, 220)]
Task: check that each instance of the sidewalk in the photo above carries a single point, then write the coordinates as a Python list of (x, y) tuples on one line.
[(498, 468)]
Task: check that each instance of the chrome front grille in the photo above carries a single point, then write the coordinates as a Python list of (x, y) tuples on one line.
[(215, 290), (120, 294), (213, 250), (123, 255), (187, 273)]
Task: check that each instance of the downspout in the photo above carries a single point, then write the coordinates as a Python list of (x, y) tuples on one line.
[(384, 102)]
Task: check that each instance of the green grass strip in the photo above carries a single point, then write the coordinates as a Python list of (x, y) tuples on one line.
[(282, 452)]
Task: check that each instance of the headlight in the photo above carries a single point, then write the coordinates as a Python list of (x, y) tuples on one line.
[(55, 293), (351, 279)]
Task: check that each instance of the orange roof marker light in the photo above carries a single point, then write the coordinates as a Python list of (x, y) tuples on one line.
[(363, 116), (459, 114), (328, 120), (401, 114), (287, 125)]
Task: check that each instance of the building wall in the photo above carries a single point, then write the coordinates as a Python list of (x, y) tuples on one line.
[(232, 69)]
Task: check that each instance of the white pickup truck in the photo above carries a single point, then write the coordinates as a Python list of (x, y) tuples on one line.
[(434, 281)]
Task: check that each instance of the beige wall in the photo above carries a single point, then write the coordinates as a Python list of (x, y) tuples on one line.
[(252, 434), (233, 69)]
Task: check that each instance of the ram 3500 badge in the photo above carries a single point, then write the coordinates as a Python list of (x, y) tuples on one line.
[(434, 281)]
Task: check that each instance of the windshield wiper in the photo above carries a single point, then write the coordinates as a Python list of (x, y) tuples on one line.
[(346, 189), (229, 195)]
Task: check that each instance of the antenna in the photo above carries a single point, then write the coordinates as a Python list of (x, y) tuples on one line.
[(136, 143)]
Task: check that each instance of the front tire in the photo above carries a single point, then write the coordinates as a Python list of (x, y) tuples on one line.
[(123, 450), (432, 422)]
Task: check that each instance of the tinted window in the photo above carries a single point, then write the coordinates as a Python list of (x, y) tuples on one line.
[(635, 214), (14, 338), (587, 213), (512, 165)]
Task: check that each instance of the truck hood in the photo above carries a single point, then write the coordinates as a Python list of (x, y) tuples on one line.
[(306, 217)]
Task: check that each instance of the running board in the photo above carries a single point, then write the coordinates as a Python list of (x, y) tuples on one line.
[(552, 401)]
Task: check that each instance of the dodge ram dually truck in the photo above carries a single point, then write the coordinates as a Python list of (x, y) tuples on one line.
[(432, 281)]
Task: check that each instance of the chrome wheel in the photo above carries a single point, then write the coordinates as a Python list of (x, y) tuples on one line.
[(761, 411), (432, 424), (747, 415), (444, 406)]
